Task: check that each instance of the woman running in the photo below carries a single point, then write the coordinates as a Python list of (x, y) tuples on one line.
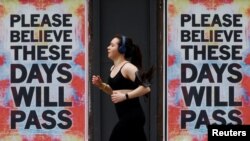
[(127, 82)]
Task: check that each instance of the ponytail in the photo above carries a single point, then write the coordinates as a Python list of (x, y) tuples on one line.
[(136, 57), (142, 77)]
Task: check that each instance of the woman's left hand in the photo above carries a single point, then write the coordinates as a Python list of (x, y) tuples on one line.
[(117, 97)]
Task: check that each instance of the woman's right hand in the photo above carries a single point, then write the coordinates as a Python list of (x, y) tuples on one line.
[(97, 81)]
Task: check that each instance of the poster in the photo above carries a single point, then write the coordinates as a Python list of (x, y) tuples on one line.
[(43, 75), (208, 66)]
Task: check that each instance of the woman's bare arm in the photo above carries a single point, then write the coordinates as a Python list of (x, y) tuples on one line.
[(106, 88), (97, 81), (139, 91)]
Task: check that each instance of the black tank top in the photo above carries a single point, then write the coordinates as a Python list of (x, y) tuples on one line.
[(119, 82)]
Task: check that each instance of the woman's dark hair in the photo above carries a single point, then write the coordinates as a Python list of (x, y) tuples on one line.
[(133, 53)]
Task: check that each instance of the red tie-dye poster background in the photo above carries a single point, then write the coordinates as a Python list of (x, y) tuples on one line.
[(58, 107), (223, 101)]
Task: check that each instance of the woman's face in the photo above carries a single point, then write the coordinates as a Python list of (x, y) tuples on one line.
[(113, 52)]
